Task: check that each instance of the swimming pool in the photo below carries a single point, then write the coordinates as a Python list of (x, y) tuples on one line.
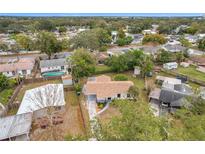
[(50, 74)]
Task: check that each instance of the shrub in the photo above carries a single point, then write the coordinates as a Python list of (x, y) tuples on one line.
[(120, 77)]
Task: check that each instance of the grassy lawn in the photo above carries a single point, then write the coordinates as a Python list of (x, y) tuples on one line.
[(34, 85), (192, 72), (102, 69), (5, 95), (72, 98)]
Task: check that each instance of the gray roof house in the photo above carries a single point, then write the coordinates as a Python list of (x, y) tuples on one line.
[(54, 65)]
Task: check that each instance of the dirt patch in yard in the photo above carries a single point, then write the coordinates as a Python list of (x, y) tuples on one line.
[(72, 123)]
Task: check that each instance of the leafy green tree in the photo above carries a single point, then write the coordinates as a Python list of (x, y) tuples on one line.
[(62, 29), (4, 82), (136, 123), (3, 46), (202, 44), (48, 43), (83, 63), (180, 57), (120, 77), (154, 38), (119, 63), (24, 41), (163, 56), (146, 65), (45, 25), (191, 30), (134, 92), (185, 42), (121, 34), (124, 41)]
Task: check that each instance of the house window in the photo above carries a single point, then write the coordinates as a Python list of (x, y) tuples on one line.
[(24, 72), (62, 67), (128, 95), (13, 72), (109, 98), (118, 95)]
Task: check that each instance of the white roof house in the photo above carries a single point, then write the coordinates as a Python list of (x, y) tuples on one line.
[(171, 65), (42, 97)]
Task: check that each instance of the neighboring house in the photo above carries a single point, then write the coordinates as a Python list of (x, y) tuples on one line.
[(137, 38), (15, 127), (171, 96), (170, 66), (103, 89), (201, 36), (114, 36), (23, 67), (50, 95), (51, 65), (173, 48), (148, 31), (201, 69), (191, 38)]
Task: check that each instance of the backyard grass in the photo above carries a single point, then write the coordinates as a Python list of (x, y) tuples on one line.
[(72, 98), (34, 85), (5, 95), (192, 73), (99, 69)]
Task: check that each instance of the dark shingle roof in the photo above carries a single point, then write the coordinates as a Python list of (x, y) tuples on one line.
[(53, 62)]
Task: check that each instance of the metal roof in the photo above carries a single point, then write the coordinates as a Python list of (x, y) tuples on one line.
[(53, 62), (15, 125)]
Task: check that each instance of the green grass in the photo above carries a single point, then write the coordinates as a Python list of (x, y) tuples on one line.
[(73, 98), (192, 73), (5, 95), (99, 69)]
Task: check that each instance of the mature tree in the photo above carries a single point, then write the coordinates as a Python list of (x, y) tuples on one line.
[(3, 46), (121, 34), (124, 41), (185, 42), (163, 56), (4, 82), (191, 30), (134, 92), (119, 63), (154, 38), (120, 77), (62, 29), (24, 41), (202, 44), (179, 57), (146, 65), (83, 63), (136, 123), (45, 25), (48, 43)]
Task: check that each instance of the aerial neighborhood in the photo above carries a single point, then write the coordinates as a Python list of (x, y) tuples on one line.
[(102, 79)]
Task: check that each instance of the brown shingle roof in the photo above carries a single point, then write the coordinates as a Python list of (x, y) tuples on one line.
[(104, 87), (23, 64)]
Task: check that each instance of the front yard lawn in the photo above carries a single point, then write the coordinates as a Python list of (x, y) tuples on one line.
[(99, 69), (5, 95)]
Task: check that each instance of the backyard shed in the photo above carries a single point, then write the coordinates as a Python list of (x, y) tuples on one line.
[(67, 80)]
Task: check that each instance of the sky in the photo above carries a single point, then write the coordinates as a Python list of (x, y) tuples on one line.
[(104, 14)]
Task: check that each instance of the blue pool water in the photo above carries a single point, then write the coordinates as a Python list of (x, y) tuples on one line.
[(50, 74)]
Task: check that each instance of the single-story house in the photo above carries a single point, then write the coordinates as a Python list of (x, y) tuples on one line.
[(191, 38), (148, 31), (103, 89), (23, 67), (15, 127), (50, 95), (201, 69), (170, 66), (51, 65)]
